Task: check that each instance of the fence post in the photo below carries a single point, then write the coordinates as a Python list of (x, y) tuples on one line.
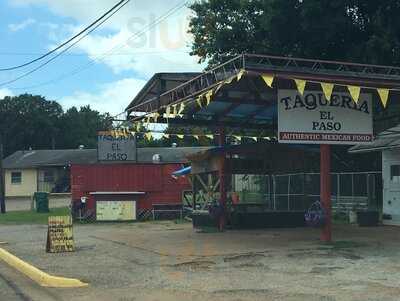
[(288, 194)]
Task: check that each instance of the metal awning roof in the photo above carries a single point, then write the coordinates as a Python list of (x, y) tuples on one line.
[(249, 103), (389, 139)]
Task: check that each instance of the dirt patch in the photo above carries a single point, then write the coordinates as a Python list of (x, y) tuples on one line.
[(195, 265), (325, 270)]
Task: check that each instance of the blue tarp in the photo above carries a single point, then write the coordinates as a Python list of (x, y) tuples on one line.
[(182, 172)]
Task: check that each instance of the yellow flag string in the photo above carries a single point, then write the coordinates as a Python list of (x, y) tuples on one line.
[(181, 109), (384, 95), (301, 85), (198, 100), (327, 88), (268, 79), (240, 75), (209, 95), (354, 92)]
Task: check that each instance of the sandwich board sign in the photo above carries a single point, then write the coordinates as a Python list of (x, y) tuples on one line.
[(312, 119), (59, 235), (115, 148)]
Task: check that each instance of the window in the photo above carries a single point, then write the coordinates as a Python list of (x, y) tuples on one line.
[(16, 177), (395, 173), (48, 176)]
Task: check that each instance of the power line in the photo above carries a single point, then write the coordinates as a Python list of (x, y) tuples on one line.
[(63, 51), (109, 52), (96, 54), (69, 40)]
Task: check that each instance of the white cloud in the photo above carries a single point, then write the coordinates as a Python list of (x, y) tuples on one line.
[(139, 46), (5, 92), (112, 97), (14, 27)]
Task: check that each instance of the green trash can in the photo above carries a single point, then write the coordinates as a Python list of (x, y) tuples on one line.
[(42, 202)]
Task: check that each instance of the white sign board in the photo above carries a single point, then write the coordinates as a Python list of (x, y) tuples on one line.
[(111, 211), (110, 148), (311, 119)]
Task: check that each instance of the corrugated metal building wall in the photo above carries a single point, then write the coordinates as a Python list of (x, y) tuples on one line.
[(154, 180)]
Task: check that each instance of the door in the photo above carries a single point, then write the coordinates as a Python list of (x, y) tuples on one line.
[(391, 204)]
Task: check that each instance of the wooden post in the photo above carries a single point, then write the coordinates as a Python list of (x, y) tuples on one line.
[(222, 181), (326, 234)]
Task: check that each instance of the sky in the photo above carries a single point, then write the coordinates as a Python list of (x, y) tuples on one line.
[(107, 68)]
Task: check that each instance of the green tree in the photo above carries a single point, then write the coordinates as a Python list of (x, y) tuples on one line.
[(31, 121), (80, 127), (351, 30), (28, 121)]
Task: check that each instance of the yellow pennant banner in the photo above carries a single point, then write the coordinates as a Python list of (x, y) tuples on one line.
[(230, 80), (181, 109), (238, 138), (210, 136), (167, 112), (240, 75), (198, 100), (327, 89), (384, 95), (209, 95), (268, 79), (174, 111), (148, 136), (180, 136), (155, 117), (166, 136), (301, 85), (218, 88), (354, 92), (196, 137)]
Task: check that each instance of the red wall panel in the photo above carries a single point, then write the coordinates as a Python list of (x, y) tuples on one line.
[(153, 179)]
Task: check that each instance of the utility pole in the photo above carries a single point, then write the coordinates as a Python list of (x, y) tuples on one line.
[(2, 183)]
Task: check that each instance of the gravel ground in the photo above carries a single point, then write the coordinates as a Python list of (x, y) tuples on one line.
[(168, 261)]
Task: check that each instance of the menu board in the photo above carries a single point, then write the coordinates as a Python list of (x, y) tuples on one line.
[(110, 211), (59, 234)]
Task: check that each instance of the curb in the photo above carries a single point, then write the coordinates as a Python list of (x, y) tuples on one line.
[(40, 277)]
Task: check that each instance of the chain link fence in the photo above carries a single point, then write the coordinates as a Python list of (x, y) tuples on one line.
[(296, 192)]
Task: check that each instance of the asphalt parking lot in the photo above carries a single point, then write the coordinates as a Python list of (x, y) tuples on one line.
[(169, 261)]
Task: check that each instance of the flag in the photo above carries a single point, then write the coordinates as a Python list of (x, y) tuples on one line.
[(229, 80), (301, 85), (268, 79), (384, 95), (209, 96), (198, 100), (181, 109), (167, 112), (354, 92), (327, 88), (240, 74)]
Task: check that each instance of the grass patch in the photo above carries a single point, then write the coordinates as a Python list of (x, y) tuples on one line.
[(30, 217)]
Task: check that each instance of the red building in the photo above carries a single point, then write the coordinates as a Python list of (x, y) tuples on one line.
[(147, 182)]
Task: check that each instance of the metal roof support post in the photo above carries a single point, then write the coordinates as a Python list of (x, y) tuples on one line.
[(222, 180), (326, 234)]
